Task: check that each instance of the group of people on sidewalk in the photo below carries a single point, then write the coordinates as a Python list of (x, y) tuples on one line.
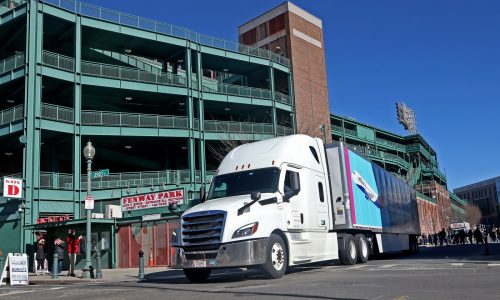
[(462, 236), (71, 246)]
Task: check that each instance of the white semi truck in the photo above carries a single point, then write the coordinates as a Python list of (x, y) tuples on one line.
[(291, 200)]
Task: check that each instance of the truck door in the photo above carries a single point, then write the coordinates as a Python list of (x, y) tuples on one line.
[(318, 205), (295, 207)]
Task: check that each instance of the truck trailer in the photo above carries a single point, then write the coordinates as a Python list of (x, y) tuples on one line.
[(292, 200)]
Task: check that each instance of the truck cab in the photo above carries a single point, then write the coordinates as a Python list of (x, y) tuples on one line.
[(269, 206)]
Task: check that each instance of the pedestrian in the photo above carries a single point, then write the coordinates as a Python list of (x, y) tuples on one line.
[(40, 257), (478, 235), (442, 237), (59, 250), (73, 249), (493, 235), (435, 238), (462, 236), (469, 234)]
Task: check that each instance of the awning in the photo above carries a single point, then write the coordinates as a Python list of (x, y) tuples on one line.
[(70, 223)]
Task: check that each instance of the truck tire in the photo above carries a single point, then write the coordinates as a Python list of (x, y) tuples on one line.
[(347, 252), (362, 248), (276, 257), (197, 275)]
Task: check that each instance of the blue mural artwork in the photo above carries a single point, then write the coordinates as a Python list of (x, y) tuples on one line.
[(365, 192)]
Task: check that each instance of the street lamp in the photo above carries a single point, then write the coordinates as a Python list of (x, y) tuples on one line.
[(88, 153), (323, 129)]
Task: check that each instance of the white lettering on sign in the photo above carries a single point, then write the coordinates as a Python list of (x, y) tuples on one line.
[(154, 200), (12, 188)]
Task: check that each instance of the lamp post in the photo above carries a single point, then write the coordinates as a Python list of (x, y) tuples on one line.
[(323, 129), (88, 153)]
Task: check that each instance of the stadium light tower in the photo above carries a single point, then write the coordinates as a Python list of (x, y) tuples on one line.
[(406, 117)]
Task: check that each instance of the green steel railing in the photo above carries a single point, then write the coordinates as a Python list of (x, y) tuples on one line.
[(125, 73), (244, 91), (104, 118), (283, 98), (58, 181), (11, 63), (112, 71), (62, 181), (391, 144), (57, 113), (237, 127), (283, 130), (117, 17), (10, 115), (58, 61), (237, 90)]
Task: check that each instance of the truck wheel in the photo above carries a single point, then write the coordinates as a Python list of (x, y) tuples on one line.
[(197, 275), (276, 257), (347, 252), (362, 247)]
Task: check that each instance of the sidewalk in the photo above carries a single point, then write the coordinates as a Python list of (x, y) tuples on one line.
[(108, 275)]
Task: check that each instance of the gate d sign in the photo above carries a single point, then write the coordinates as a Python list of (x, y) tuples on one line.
[(12, 188)]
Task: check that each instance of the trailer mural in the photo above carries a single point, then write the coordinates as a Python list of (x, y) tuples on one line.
[(364, 192)]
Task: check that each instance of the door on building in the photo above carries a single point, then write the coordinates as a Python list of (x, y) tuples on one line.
[(153, 238)]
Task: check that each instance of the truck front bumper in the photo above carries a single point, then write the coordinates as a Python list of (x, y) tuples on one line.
[(238, 254)]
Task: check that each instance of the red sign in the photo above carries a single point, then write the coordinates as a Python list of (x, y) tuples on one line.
[(12, 187), (154, 200), (52, 219)]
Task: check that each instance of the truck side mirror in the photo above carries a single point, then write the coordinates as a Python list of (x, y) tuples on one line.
[(203, 195), (294, 186), (295, 182), (172, 207), (255, 196)]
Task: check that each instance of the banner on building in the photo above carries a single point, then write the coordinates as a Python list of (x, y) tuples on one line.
[(153, 200)]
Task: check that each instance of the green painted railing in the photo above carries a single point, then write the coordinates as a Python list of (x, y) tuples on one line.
[(62, 181), (391, 144), (341, 129), (11, 63), (11, 115), (112, 71), (117, 17), (131, 74), (237, 127), (283, 130), (104, 118), (57, 113), (58, 61)]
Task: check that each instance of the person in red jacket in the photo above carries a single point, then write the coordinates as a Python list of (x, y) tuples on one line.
[(73, 249)]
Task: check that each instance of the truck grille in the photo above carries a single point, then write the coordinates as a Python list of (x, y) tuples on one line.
[(203, 230)]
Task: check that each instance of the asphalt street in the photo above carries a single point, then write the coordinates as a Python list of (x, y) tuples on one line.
[(455, 272)]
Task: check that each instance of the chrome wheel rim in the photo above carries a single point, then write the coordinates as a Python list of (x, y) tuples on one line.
[(277, 256), (352, 249), (364, 248)]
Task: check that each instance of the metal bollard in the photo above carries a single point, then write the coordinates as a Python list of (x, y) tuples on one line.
[(98, 273), (141, 265), (55, 267)]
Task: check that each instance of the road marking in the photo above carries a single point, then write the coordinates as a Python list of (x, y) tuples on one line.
[(457, 264), (493, 265), (357, 267), (30, 291), (386, 266)]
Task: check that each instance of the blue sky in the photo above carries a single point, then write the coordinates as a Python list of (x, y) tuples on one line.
[(442, 58)]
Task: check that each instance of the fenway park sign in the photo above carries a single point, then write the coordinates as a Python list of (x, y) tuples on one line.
[(153, 200)]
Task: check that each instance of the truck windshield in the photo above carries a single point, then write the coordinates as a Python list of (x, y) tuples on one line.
[(246, 182)]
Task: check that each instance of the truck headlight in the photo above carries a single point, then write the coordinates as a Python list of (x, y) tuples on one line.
[(246, 230)]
